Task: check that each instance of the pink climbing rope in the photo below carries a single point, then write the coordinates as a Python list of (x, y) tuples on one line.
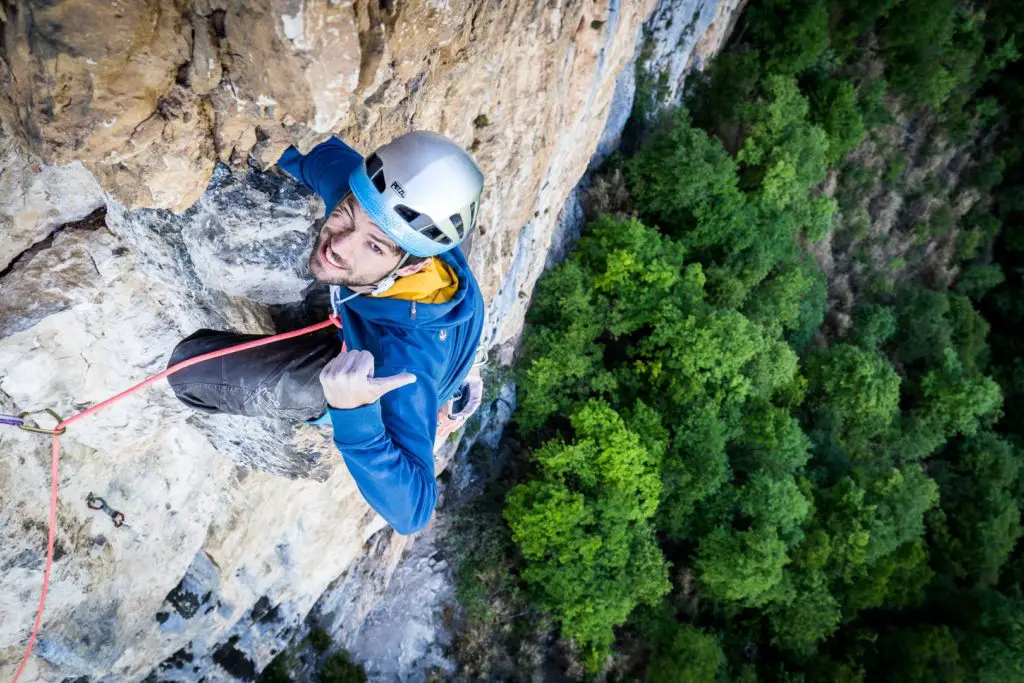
[(62, 426)]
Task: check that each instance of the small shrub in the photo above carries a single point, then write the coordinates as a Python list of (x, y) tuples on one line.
[(339, 668), (277, 670), (894, 171), (320, 640)]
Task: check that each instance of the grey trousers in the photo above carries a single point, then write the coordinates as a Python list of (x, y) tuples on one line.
[(280, 380)]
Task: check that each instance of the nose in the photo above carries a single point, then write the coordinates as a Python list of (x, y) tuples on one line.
[(343, 244)]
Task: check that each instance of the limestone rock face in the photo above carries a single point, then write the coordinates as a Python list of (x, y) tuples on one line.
[(250, 235), (137, 204), (148, 95), (95, 82), (35, 199)]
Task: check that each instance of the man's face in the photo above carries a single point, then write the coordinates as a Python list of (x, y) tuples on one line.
[(351, 250)]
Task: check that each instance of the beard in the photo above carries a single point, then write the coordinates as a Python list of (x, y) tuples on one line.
[(329, 274)]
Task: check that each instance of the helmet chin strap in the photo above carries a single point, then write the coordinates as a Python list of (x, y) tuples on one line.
[(382, 286), (389, 282)]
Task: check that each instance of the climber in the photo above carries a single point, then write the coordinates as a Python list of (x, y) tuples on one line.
[(412, 317)]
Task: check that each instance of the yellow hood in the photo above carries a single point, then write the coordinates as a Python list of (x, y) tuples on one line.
[(435, 284)]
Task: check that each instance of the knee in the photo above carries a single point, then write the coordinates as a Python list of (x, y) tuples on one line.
[(194, 345), (203, 386), (190, 347)]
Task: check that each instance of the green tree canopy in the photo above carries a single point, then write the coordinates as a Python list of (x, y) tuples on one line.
[(691, 657), (583, 526)]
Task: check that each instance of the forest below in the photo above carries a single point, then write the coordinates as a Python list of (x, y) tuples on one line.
[(769, 422)]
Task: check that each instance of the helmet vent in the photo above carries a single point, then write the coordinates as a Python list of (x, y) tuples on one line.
[(405, 212), (432, 233), (375, 169), (415, 219), (456, 220)]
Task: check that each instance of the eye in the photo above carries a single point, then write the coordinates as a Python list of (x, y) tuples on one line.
[(377, 250)]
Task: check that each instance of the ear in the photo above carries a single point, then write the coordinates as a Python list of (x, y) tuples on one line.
[(410, 270)]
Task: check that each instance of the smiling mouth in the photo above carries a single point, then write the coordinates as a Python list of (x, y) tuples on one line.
[(330, 257)]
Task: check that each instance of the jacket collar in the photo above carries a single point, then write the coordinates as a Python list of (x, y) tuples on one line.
[(401, 313)]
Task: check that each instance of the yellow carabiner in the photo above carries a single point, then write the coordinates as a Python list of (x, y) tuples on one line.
[(40, 430)]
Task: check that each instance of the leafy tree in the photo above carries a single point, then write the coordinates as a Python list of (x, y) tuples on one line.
[(775, 502), (733, 76), (852, 18), (786, 155), (855, 398), (614, 284), (922, 655), (932, 322), (779, 302), (834, 108), (770, 441), (872, 105), (741, 565), (951, 402), (915, 39), (692, 657), (793, 33), (981, 521), (277, 670), (807, 617), (867, 547), (977, 280), (869, 524), (993, 640), (583, 526), (989, 173), (897, 501), (567, 363), (968, 334), (873, 326), (894, 581), (923, 326), (692, 476), (687, 183)]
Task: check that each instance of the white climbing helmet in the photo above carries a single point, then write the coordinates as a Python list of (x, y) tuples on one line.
[(422, 189)]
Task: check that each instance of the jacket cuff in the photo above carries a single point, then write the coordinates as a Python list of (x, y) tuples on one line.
[(355, 426)]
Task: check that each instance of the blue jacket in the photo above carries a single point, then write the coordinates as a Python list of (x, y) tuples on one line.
[(389, 445)]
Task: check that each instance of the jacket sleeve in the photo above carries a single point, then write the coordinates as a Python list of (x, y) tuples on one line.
[(324, 170), (389, 449)]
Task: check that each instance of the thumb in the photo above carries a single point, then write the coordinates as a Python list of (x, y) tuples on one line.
[(382, 385)]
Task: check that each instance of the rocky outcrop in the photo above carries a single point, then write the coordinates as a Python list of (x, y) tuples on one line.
[(137, 204), (148, 95), (680, 37), (36, 199)]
